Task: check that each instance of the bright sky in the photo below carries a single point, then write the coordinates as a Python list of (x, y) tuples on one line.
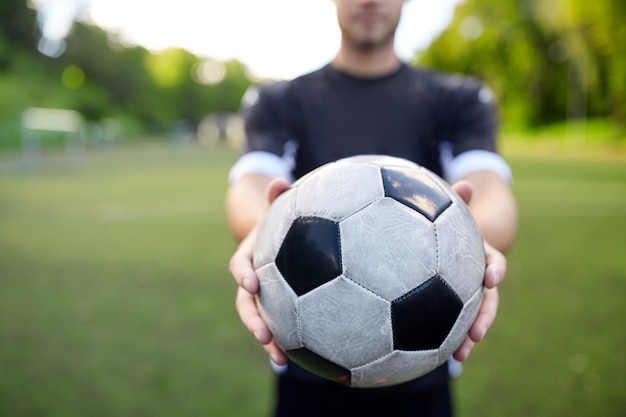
[(273, 38)]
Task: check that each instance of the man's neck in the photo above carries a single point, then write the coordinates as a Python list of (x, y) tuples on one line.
[(368, 64)]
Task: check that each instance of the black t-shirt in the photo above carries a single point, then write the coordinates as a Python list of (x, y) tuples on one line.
[(329, 114)]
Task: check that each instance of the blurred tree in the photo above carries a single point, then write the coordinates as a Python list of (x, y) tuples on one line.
[(159, 88), (18, 24), (545, 59), (103, 78), (225, 95)]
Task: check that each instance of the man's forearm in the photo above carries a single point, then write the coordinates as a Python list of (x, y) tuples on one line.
[(494, 207), (246, 203)]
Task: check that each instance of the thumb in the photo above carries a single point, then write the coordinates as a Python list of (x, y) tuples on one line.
[(464, 190), (275, 188)]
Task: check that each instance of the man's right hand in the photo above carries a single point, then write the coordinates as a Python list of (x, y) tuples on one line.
[(242, 270)]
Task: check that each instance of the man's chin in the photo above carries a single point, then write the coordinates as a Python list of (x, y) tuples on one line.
[(369, 45)]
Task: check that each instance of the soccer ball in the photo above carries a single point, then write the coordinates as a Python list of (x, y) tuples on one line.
[(370, 271)]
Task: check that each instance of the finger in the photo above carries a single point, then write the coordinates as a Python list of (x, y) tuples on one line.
[(464, 190), (244, 274), (464, 349), (250, 317), (245, 303), (276, 353), (241, 267), (481, 325), (276, 187), (496, 267), (486, 314)]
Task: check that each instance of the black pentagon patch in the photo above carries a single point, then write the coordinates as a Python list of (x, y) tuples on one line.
[(415, 189), (322, 367), (423, 317), (310, 254)]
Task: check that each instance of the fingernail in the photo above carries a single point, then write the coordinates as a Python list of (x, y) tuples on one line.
[(482, 333), (248, 282), (498, 276), (494, 280), (277, 359), (245, 283)]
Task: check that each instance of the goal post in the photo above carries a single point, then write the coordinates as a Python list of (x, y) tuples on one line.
[(37, 119)]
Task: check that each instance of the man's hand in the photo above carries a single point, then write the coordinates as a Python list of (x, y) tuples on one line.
[(248, 284), (494, 274)]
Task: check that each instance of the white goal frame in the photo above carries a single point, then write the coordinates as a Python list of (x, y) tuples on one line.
[(37, 119)]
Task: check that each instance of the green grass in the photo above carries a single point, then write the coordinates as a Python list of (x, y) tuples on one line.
[(599, 140), (555, 348), (115, 299), (114, 294)]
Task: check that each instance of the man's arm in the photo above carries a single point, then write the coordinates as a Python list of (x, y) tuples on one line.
[(246, 203), (494, 208)]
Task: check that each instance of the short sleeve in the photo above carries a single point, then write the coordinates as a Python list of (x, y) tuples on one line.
[(270, 148), (266, 121), (467, 118)]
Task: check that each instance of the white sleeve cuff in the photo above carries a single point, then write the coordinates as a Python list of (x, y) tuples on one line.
[(261, 162), (456, 168)]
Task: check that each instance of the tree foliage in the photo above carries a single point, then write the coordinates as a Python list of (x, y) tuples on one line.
[(103, 78), (546, 60)]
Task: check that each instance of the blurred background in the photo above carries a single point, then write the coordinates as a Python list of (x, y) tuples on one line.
[(119, 121)]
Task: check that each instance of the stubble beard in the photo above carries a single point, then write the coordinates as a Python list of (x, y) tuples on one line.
[(370, 43), (369, 40)]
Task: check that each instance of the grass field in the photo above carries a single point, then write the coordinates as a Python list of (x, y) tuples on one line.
[(115, 299)]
